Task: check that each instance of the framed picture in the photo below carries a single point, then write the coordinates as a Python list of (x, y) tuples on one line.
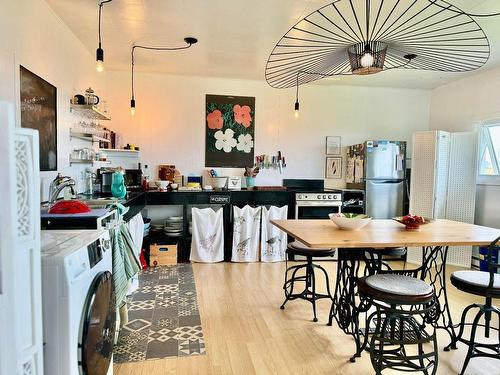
[(334, 167), (230, 129), (38, 111), (333, 145)]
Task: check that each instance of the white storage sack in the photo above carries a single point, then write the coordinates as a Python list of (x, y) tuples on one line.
[(246, 234), (273, 240), (207, 243)]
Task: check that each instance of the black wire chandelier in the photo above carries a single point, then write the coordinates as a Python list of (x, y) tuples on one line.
[(189, 42), (356, 37)]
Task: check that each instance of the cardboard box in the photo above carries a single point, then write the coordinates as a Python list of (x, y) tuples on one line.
[(162, 255)]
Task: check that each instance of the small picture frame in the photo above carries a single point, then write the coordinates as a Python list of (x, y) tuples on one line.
[(333, 145), (333, 167)]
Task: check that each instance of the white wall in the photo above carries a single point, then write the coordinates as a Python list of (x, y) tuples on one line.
[(36, 38), (169, 124), (460, 106)]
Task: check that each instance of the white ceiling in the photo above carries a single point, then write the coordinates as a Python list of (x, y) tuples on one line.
[(235, 36)]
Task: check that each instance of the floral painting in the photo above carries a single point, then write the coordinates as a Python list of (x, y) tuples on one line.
[(230, 130)]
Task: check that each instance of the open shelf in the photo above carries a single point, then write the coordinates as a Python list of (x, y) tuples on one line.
[(88, 111), (88, 137), (119, 151), (88, 161)]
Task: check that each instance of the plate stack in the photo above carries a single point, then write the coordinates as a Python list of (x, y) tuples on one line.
[(173, 226)]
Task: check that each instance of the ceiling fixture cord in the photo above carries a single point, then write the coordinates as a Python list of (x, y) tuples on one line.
[(99, 54), (349, 37), (189, 42), (297, 106)]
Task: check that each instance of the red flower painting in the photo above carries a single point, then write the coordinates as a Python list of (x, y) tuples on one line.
[(242, 115), (215, 120)]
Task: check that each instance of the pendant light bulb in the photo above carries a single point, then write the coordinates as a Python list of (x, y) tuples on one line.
[(367, 59), (132, 107), (296, 114), (99, 56)]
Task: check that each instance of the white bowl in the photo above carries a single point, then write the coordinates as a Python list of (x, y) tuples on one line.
[(349, 224), (174, 186), (219, 182), (162, 185)]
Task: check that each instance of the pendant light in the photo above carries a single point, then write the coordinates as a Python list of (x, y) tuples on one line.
[(348, 37), (189, 42), (99, 54)]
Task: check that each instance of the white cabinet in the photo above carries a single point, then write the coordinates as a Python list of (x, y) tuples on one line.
[(443, 183)]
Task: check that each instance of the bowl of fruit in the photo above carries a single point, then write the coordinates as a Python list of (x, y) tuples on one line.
[(350, 221), (412, 222)]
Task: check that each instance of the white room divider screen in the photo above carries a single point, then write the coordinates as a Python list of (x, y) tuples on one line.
[(443, 183)]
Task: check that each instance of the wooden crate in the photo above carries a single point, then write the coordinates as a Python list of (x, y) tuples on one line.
[(162, 255)]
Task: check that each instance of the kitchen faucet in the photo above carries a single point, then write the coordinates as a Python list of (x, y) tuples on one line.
[(58, 185)]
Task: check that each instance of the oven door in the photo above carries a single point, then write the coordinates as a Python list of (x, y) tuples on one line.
[(313, 211)]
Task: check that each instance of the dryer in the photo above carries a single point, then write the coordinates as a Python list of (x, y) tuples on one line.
[(78, 302)]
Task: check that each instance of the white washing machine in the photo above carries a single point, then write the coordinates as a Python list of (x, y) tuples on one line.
[(78, 302)]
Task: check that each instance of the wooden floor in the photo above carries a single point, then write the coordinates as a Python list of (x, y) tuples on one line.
[(247, 333)]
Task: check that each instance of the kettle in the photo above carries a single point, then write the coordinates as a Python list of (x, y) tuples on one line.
[(90, 97)]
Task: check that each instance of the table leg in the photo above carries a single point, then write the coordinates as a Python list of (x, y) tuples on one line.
[(344, 309), (434, 270)]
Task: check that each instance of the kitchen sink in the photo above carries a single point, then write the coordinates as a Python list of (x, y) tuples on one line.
[(98, 202)]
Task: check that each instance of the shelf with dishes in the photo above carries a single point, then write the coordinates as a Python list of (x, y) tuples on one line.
[(89, 111), (88, 137), (88, 161)]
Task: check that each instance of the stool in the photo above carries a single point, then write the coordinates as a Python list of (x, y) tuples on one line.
[(309, 292), (402, 302), (487, 285)]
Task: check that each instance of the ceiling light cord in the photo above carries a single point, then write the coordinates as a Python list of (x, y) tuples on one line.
[(100, 51), (189, 42), (434, 2)]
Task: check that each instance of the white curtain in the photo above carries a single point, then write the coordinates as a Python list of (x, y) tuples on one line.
[(273, 240), (207, 244), (246, 234)]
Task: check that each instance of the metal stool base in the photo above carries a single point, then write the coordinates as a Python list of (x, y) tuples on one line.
[(309, 292)]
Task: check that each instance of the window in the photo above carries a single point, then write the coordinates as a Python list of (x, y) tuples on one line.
[(489, 152)]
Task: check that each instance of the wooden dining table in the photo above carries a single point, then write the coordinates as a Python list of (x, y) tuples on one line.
[(355, 247)]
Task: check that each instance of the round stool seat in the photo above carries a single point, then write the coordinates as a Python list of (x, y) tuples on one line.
[(299, 248), (396, 289), (476, 282)]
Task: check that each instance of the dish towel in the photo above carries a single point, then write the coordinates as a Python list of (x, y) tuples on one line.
[(273, 240), (125, 263), (136, 229), (246, 234), (207, 243)]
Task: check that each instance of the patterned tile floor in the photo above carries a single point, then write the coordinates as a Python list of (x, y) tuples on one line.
[(164, 320)]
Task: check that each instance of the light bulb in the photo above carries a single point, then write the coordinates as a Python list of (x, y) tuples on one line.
[(367, 60), (132, 106), (100, 66), (99, 57), (296, 114)]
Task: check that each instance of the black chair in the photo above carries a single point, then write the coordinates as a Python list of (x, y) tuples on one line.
[(402, 305), (484, 284), (309, 279)]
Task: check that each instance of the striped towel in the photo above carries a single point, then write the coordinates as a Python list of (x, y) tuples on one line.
[(125, 263)]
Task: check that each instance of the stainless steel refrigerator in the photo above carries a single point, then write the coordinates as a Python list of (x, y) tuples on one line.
[(382, 176)]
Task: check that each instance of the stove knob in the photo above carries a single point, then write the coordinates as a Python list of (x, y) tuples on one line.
[(329, 197), (324, 196), (319, 196), (300, 196)]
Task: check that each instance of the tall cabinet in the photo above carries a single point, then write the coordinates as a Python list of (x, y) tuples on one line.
[(443, 183)]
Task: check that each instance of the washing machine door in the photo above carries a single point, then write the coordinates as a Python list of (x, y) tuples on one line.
[(98, 326)]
